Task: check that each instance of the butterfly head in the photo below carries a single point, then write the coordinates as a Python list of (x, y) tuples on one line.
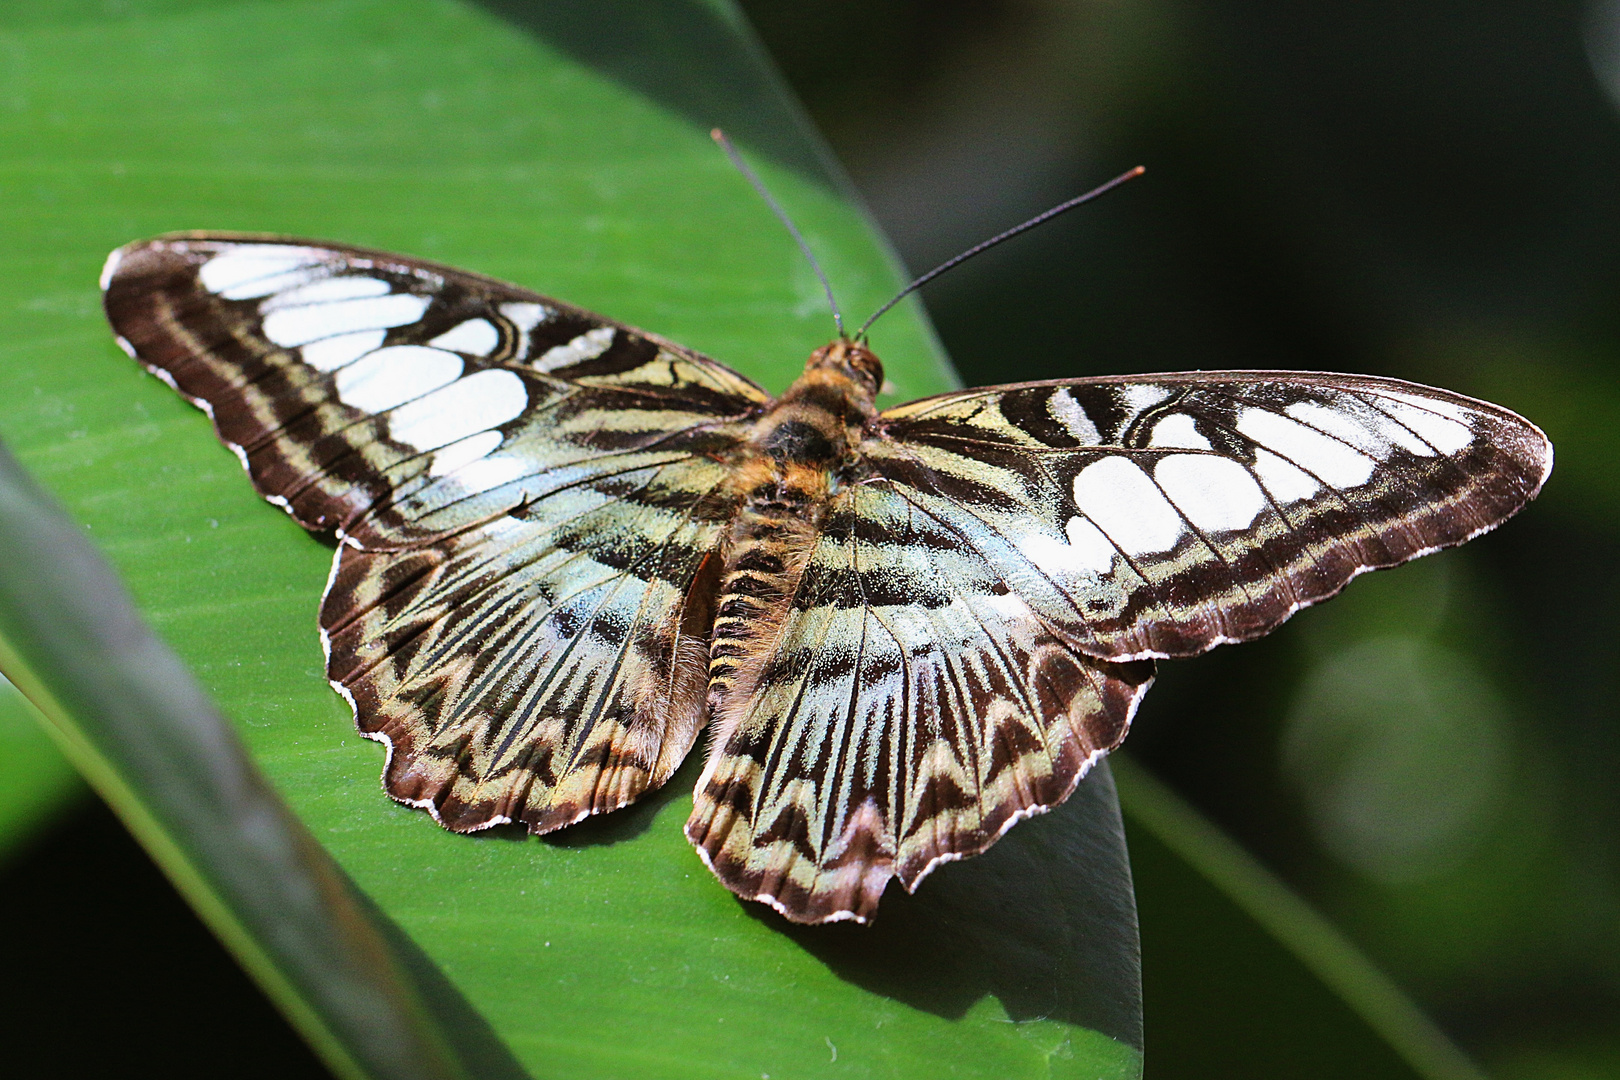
[(853, 361)]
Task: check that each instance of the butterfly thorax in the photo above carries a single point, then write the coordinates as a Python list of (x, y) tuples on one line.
[(799, 453), (824, 412)]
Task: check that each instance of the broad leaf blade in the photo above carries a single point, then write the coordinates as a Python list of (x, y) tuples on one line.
[(441, 130)]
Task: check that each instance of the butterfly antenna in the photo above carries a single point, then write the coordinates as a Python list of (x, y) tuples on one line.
[(1038, 219), (742, 166)]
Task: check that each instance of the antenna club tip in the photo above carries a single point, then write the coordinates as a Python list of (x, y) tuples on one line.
[(717, 135), (1138, 171)]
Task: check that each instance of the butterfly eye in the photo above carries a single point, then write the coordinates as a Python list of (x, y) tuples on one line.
[(854, 361), (864, 367)]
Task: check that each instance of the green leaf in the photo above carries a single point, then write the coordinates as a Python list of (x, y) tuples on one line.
[(542, 148)]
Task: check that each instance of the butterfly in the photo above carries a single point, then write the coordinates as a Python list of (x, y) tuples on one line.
[(565, 547)]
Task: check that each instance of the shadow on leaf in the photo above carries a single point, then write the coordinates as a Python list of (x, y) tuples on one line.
[(653, 48), (1045, 921), (475, 1043)]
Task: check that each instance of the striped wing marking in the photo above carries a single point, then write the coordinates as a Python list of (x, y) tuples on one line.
[(1162, 515)]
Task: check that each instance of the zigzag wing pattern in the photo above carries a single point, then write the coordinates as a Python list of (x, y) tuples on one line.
[(1162, 515), (526, 494), (910, 711)]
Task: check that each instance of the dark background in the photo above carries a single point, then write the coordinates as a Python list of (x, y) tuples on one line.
[(1426, 190)]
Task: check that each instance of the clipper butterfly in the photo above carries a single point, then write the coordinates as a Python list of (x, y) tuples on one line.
[(566, 546)]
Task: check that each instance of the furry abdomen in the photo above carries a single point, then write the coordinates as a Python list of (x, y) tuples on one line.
[(765, 554), (800, 450)]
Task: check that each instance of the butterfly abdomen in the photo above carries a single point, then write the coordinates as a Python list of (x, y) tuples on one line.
[(800, 451), (765, 554)]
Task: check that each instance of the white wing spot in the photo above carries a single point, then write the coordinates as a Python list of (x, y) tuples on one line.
[(1127, 506), (329, 354), (525, 316), (1284, 482), (326, 291), (1331, 460), (301, 325), (1074, 418), (1179, 431), (1360, 425), (1444, 434), (277, 283), (1139, 397), (489, 473), (484, 399), (1216, 494), (1444, 408), (1056, 558), (1094, 551), (390, 377), (468, 450), (242, 273), (477, 337), (1007, 606), (587, 346)]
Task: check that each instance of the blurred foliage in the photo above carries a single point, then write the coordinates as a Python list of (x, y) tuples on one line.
[(1425, 191)]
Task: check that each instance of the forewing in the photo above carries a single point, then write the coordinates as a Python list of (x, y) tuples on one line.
[(1161, 515), (397, 400), (525, 495), (910, 710)]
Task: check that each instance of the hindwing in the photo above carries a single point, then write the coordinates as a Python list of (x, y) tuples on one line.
[(525, 495), (909, 711)]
